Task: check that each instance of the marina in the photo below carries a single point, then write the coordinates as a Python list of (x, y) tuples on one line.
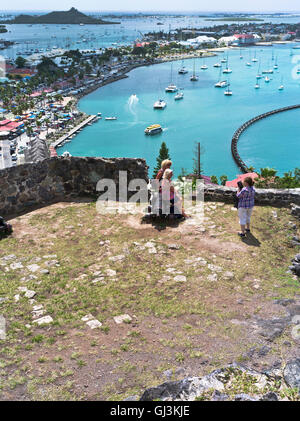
[(193, 118)]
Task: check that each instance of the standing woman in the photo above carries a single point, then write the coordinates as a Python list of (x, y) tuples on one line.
[(245, 205)]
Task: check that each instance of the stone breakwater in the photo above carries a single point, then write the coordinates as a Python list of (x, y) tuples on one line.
[(241, 164), (28, 186)]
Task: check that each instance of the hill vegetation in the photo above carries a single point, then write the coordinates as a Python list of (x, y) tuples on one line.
[(71, 17)]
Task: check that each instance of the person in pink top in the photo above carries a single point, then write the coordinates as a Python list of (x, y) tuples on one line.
[(170, 196)]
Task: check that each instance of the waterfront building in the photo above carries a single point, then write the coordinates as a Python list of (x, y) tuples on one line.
[(5, 156)]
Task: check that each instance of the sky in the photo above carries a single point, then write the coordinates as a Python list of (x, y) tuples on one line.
[(157, 5)]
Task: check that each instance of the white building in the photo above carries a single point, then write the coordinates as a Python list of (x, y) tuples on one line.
[(5, 156), (201, 40)]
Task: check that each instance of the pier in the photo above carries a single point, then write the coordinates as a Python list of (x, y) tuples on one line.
[(240, 163), (73, 131)]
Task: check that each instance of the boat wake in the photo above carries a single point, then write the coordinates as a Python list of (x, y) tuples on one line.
[(132, 103)]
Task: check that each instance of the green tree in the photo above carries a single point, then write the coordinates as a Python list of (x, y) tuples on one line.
[(214, 179), (163, 154), (20, 62), (223, 179)]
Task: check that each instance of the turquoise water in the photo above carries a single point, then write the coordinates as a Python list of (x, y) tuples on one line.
[(205, 115), (99, 36)]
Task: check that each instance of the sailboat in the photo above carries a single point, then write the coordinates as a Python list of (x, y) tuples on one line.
[(259, 75), (194, 78), (257, 85), (217, 65), (224, 60), (228, 92), (204, 67), (281, 87), (241, 57), (221, 83), (171, 88), (178, 96), (276, 64), (182, 70), (255, 60), (267, 79)]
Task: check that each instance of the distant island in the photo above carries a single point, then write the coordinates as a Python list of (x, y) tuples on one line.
[(235, 19), (70, 17)]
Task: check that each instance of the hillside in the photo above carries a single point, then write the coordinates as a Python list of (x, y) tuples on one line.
[(190, 299), (72, 16)]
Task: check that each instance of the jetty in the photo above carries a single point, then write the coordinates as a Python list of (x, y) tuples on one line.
[(241, 164), (73, 131)]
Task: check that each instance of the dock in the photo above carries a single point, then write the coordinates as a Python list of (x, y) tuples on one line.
[(73, 131)]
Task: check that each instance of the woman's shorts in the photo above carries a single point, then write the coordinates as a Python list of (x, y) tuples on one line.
[(244, 215)]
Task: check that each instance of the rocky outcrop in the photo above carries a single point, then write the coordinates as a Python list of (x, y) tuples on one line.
[(295, 267), (25, 187), (295, 210), (223, 384)]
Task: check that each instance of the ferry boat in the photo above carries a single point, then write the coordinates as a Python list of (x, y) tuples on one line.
[(153, 129), (178, 96), (159, 105)]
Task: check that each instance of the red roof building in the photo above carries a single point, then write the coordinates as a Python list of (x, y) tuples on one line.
[(241, 177)]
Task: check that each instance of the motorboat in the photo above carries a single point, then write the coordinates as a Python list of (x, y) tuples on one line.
[(110, 118), (160, 104), (153, 129), (66, 154)]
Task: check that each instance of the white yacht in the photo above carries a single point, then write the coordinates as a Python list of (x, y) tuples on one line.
[(227, 70), (217, 65), (171, 88), (194, 78), (178, 96), (221, 84), (267, 79), (110, 118), (204, 66), (281, 87), (66, 154), (183, 71), (228, 92), (160, 104)]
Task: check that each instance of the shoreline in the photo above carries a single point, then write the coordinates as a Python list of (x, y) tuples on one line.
[(124, 75)]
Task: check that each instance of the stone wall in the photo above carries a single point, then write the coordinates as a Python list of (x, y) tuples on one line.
[(271, 197), (28, 186)]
